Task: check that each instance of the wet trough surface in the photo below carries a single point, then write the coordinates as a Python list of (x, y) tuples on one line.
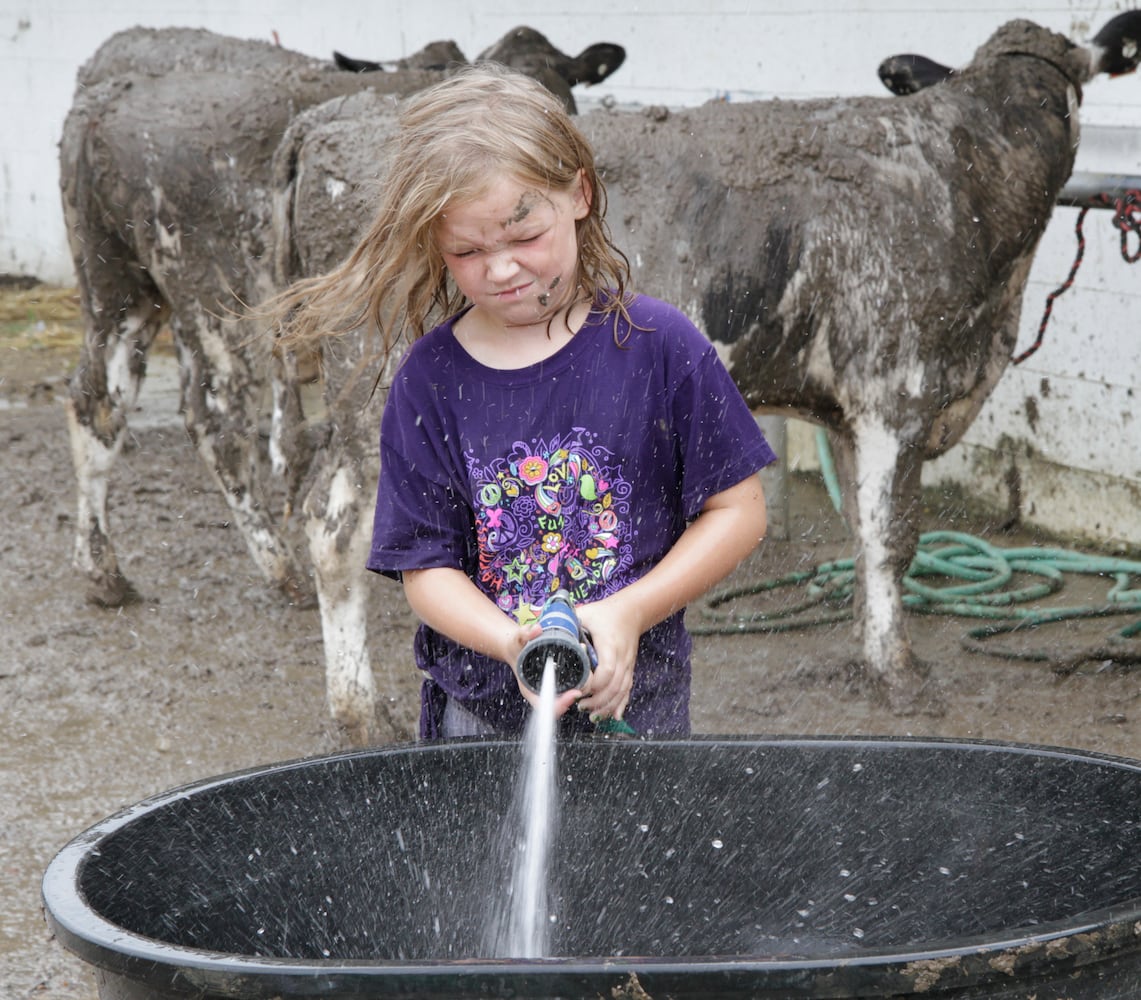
[(212, 672), (708, 866)]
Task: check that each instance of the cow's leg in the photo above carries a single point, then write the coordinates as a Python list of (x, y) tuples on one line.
[(291, 439), (881, 502), (119, 330), (223, 373), (337, 513)]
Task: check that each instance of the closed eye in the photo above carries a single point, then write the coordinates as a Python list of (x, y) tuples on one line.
[(473, 251)]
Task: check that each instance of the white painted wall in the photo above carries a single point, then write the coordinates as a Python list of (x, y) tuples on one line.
[(1079, 458)]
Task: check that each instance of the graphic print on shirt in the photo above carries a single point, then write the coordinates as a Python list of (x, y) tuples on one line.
[(551, 514)]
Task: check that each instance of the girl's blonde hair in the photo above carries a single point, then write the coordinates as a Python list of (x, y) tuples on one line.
[(452, 139)]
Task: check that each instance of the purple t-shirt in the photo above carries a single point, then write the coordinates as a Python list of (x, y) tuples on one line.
[(579, 472)]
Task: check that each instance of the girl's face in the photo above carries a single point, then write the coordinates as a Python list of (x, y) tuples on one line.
[(513, 251)]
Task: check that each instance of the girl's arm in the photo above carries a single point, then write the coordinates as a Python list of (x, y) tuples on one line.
[(730, 525), (447, 601)]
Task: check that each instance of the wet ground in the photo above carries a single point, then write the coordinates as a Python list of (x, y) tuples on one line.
[(213, 672)]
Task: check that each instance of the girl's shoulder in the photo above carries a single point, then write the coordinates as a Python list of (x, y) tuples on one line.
[(647, 311), (424, 368), (667, 326), (428, 347)]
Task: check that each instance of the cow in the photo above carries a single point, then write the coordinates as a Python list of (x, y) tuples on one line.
[(166, 198), (860, 261), (165, 161), (524, 48), (159, 51), (909, 73)]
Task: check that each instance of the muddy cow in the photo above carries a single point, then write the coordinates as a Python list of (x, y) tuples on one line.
[(165, 174), (524, 48), (166, 197), (862, 262)]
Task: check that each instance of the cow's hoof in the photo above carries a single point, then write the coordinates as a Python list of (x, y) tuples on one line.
[(914, 691), (358, 733), (299, 593), (388, 722), (112, 590)]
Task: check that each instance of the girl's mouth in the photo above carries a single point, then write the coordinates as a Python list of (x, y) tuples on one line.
[(513, 293)]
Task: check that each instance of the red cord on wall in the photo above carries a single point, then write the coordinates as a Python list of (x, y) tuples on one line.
[(1127, 219)]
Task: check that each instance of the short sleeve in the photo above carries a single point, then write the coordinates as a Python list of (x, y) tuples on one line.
[(419, 523), (718, 437), (421, 520)]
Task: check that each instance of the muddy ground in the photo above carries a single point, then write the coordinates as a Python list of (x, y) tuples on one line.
[(213, 672)]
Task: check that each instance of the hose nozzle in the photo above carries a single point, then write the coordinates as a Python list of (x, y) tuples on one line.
[(563, 642)]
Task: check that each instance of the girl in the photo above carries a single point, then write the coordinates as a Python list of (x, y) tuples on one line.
[(553, 432)]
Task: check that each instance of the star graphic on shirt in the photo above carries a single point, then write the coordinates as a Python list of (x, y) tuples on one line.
[(516, 570)]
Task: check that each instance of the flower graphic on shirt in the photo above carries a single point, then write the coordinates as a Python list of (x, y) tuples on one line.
[(532, 470), (551, 515)]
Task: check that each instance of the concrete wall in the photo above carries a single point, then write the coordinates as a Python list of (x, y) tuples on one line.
[(1061, 425)]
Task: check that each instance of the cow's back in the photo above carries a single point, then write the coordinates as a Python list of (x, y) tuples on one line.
[(158, 51), (844, 244)]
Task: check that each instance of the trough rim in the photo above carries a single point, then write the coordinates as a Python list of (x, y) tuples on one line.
[(1053, 949)]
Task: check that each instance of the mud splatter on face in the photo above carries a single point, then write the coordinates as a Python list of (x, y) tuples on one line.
[(546, 296), (522, 210)]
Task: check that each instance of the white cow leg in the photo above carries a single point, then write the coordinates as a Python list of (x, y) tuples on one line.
[(339, 537), (93, 552), (103, 390), (220, 410), (884, 505)]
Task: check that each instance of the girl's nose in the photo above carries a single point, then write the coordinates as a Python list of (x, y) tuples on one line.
[(501, 265)]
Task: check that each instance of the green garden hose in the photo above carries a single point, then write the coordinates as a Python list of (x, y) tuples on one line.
[(952, 573), (982, 584)]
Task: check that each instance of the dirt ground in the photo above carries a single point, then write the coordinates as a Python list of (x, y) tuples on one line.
[(213, 672)]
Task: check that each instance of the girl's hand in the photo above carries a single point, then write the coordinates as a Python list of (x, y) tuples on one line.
[(614, 634), (521, 638)]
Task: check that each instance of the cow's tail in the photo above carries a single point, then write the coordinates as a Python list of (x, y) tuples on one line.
[(291, 439)]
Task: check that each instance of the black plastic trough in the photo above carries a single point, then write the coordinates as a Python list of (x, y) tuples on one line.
[(699, 868)]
